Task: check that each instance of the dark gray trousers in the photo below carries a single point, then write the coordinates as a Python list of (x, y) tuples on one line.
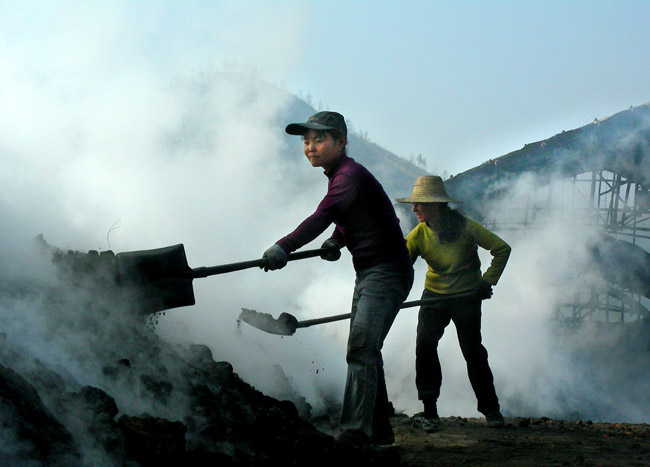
[(379, 292), (432, 321)]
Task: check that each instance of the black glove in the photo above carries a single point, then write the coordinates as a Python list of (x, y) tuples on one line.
[(333, 248), (276, 258), (484, 290)]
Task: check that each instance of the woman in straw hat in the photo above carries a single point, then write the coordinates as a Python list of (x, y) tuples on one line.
[(448, 241)]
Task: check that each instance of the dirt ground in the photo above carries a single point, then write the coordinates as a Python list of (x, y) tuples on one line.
[(523, 441)]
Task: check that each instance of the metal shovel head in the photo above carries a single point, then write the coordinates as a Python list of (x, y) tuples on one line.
[(285, 325), (157, 279)]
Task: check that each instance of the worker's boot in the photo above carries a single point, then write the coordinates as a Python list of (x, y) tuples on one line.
[(429, 420), (431, 409), (495, 419)]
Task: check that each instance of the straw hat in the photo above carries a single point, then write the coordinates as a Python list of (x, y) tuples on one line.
[(428, 189)]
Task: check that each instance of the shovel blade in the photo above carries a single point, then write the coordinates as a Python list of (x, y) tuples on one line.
[(285, 325), (157, 279)]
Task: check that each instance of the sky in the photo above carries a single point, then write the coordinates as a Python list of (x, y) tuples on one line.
[(458, 82), (464, 82), (119, 131)]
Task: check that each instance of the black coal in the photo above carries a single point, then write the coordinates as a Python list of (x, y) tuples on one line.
[(139, 400)]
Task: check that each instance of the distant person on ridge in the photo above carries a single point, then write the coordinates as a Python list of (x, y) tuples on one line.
[(448, 241), (366, 223)]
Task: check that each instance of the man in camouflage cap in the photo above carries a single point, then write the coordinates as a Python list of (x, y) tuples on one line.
[(366, 223)]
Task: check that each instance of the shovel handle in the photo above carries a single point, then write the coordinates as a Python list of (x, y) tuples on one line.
[(224, 268), (328, 319), (441, 298)]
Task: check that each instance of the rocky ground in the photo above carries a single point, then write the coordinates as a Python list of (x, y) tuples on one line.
[(523, 441)]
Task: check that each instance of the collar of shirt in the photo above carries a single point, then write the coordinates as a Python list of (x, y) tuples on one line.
[(330, 173)]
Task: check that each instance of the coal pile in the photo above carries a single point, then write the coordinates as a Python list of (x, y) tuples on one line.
[(102, 388)]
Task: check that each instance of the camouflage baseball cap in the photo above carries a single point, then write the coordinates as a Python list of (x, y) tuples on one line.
[(319, 121)]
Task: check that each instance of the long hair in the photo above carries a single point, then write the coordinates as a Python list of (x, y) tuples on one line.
[(451, 225)]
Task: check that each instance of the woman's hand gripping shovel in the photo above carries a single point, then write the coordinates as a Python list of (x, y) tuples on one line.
[(286, 324), (161, 279)]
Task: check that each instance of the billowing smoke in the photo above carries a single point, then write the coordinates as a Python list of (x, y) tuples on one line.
[(205, 163), (99, 160), (209, 167), (94, 159)]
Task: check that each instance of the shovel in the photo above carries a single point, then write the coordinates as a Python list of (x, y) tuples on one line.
[(287, 324), (161, 279)]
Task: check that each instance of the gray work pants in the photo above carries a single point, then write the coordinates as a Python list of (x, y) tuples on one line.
[(379, 292)]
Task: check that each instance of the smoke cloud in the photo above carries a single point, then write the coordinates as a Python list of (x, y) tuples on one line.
[(103, 148), (107, 145)]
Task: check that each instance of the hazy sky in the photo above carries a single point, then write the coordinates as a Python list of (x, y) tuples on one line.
[(459, 82), (463, 82)]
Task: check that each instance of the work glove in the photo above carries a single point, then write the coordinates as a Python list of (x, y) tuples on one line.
[(276, 258), (484, 290), (333, 248)]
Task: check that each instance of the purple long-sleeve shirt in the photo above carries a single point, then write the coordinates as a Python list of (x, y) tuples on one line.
[(365, 219)]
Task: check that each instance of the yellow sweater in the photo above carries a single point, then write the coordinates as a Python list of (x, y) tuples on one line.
[(455, 267)]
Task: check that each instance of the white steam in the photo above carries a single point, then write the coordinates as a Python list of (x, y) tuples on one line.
[(107, 142), (201, 162), (117, 133)]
